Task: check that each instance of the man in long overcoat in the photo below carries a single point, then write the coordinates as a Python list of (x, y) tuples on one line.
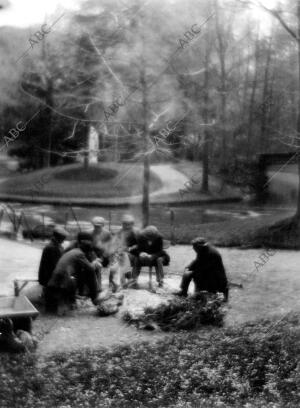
[(51, 255)]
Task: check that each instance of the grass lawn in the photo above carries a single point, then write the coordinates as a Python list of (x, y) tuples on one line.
[(221, 230), (107, 180), (214, 222), (193, 170), (255, 365)]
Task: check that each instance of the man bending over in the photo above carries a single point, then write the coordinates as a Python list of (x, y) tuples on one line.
[(73, 271), (207, 271)]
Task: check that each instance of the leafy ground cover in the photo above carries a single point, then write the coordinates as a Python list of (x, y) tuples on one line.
[(255, 365), (180, 314)]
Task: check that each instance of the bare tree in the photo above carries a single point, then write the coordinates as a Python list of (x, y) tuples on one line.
[(295, 35)]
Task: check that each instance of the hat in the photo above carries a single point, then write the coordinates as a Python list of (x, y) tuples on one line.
[(199, 242), (86, 245), (60, 232), (128, 219), (84, 236), (98, 221), (150, 231)]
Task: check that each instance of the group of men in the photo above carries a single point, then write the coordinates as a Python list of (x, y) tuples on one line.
[(78, 269)]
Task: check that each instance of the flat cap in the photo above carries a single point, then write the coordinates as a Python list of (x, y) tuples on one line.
[(199, 242), (128, 219), (84, 236), (60, 232), (98, 221), (151, 231)]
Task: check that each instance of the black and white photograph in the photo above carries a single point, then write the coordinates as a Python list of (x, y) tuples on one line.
[(150, 204)]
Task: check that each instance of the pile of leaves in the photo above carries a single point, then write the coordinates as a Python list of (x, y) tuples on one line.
[(109, 303), (180, 314)]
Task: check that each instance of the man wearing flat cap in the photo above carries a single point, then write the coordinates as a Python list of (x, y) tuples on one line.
[(150, 252), (101, 236), (128, 234), (73, 270), (50, 255), (207, 270)]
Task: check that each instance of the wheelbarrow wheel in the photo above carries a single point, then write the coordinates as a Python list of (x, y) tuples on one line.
[(22, 323)]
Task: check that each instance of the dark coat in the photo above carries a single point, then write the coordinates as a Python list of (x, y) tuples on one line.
[(153, 247), (50, 256), (74, 269), (209, 272), (94, 253)]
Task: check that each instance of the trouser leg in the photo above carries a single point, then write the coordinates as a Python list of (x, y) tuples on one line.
[(98, 273), (113, 276), (136, 268), (51, 299), (125, 267), (159, 271), (185, 281), (128, 274)]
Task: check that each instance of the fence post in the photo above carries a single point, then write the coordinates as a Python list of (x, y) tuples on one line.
[(27, 226), (172, 225), (66, 219), (44, 227), (1, 216), (109, 221), (16, 287)]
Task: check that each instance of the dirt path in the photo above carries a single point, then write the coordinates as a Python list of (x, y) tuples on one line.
[(270, 289), (172, 179)]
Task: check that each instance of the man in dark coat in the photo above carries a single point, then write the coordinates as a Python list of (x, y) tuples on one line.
[(72, 271), (150, 253), (207, 271), (50, 255)]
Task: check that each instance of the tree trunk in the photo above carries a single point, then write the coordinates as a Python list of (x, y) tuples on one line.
[(50, 103), (223, 85), (205, 157), (146, 179), (265, 102), (298, 118), (252, 102)]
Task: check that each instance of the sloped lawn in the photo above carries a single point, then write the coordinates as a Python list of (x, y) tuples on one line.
[(98, 181)]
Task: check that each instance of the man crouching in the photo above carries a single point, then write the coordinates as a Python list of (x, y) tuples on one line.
[(207, 271), (73, 271)]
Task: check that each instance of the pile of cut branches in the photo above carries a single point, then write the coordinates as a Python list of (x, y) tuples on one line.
[(180, 314)]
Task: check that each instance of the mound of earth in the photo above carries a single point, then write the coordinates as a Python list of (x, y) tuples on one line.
[(282, 234), (105, 180), (93, 173)]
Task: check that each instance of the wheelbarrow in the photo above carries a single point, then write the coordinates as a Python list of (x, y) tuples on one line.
[(20, 310)]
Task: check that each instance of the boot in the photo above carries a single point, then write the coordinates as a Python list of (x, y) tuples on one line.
[(179, 293), (8, 340)]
